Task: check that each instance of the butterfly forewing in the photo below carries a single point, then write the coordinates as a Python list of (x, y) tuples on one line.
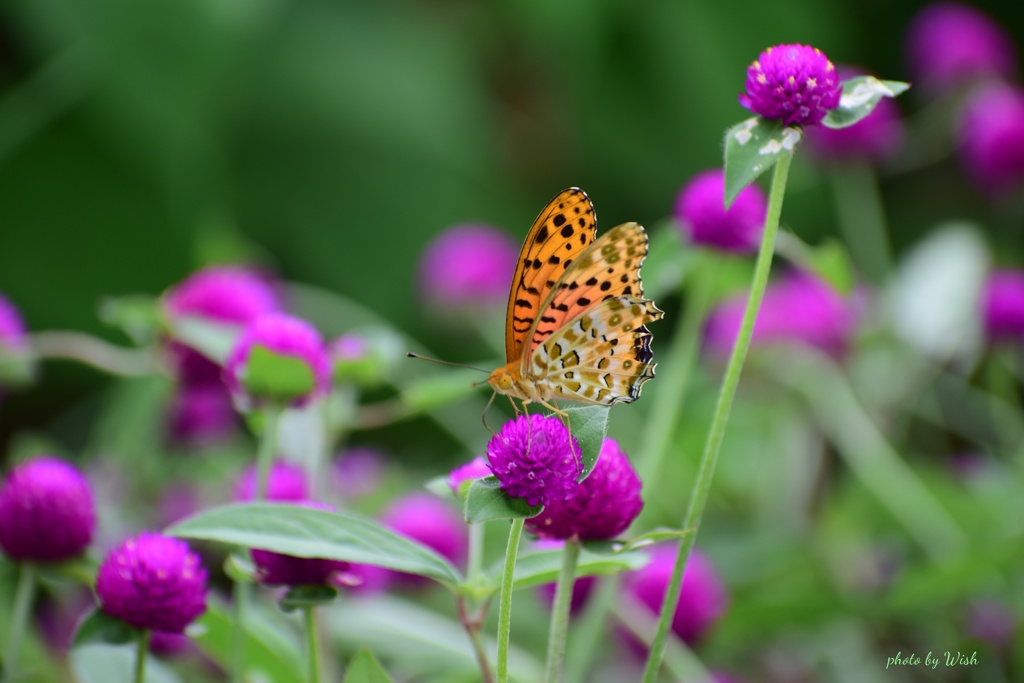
[(562, 230)]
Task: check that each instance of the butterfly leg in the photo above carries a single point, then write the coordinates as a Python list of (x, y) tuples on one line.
[(483, 417)]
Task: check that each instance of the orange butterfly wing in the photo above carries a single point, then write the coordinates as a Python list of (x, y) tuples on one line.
[(561, 232)]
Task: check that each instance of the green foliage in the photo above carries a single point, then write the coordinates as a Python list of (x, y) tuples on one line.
[(751, 148), (588, 424), (99, 627), (535, 569), (486, 500), (276, 377), (269, 648), (364, 668), (860, 95), (299, 597)]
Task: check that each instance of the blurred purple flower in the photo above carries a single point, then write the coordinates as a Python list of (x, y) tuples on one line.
[(12, 327), (534, 457), (700, 208), (702, 599), (349, 347), (949, 43), (285, 336), (795, 83), (431, 521), (177, 501), (798, 307), (1002, 305), (876, 137), (468, 267), (277, 569), (358, 471), (993, 622), (47, 513), (991, 135), (474, 469), (223, 294), (153, 582), (286, 482), (201, 414), (605, 504)]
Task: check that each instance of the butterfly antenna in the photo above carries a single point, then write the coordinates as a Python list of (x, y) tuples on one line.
[(410, 354)]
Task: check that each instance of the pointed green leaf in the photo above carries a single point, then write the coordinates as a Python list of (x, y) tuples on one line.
[(99, 627), (273, 375), (364, 668), (298, 597), (308, 532), (751, 148), (860, 95), (486, 500), (588, 424), (534, 569)]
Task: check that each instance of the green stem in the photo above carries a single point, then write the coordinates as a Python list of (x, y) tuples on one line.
[(560, 611), (862, 219), (312, 644), (505, 604), (268, 444), (241, 597), (473, 626), (706, 471), (23, 594), (141, 648), (589, 629)]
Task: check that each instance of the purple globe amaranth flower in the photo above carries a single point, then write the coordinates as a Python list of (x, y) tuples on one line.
[(201, 414), (277, 569), (467, 267), (431, 521), (876, 137), (1002, 305), (797, 307), (991, 136), (12, 327), (702, 599), (222, 294), (286, 336), (700, 208), (47, 512), (286, 482), (795, 83), (474, 469), (358, 471), (535, 458), (153, 582), (949, 44), (605, 504)]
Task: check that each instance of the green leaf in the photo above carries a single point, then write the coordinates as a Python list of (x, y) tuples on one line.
[(307, 532), (211, 339), (270, 651), (298, 597), (654, 536), (438, 390), (751, 148), (588, 424), (276, 376), (364, 668), (99, 627), (140, 317), (98, 663), (535, 569), (486, 500), (860, 95)]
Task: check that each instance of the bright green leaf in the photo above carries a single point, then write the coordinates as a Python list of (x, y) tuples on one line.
[(751, 148), (99, 627), (486, 500), (364, 668), (860, 95), (276, 376), (588, 424), (299, 597), (272, 652)]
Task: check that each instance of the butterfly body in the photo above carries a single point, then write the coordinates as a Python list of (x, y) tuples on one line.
[(576, 318)]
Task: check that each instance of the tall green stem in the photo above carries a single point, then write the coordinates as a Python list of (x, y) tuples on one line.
[(505, 604), (240, 594), (706, 471), (141, 648), (312, 644), (23, 594), (560, 611), (473, 623), (268, 444)]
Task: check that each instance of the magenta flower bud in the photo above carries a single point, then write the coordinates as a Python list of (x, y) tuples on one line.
[(474, 469), (153, 582), (605, 504), (535, 458), (950, 44), (795, 83), (201, 414), (876, 137), (358, 471), (286, 482), (285, 336), (991, 135), (1002, 305), (468, 267), (222, 294), (12, 327), (276, 569), (797, 308), (702, 599), (431, 521), (47, 512), (700, 208)]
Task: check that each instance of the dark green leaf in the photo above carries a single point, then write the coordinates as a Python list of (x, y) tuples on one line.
[(534, 569), (588, 424), (486, 500), (275, 376), (298, 597), (860, 95), (751, 148), (308, 532), (365, 669), (99, 627)]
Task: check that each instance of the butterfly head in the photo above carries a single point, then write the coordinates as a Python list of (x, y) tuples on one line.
[(507, 380)]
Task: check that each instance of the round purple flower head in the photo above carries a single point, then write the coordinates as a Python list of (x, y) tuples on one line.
[(700, 208), (795, 83), (12, 327), (468, 267), (474, 469), (949, 44), (285, 336), (702, 599), (431, 521), (275, 569), (223, 294), (534, 457), (285, 483), (605, 504), (875, 137), (991, 136), (46, 511), (1003, 305), (153, 582), (201, 414)]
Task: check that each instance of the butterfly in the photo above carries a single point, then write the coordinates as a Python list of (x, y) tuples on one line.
[(575, 326)]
